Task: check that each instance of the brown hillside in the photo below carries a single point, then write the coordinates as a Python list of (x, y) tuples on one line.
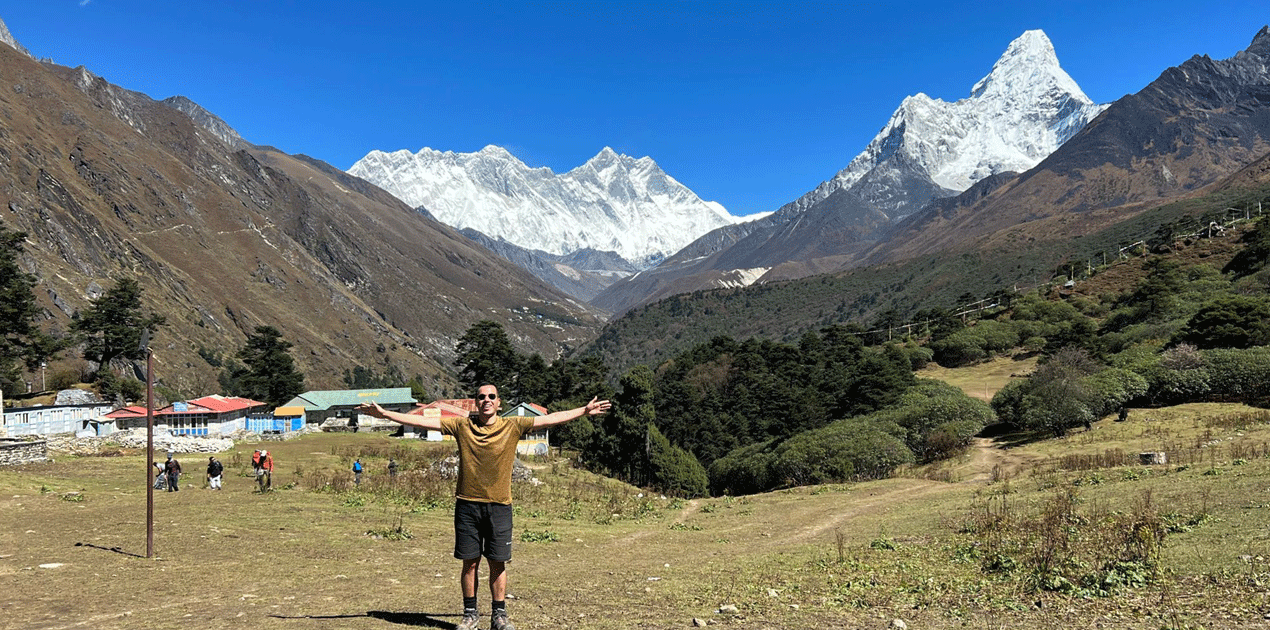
[(109, 183)]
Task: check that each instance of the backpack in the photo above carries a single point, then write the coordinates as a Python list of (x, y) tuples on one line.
[(357, 466), (255, 459)]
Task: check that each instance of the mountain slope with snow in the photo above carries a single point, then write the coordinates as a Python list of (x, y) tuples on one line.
[(613, 202), (1018, 114)]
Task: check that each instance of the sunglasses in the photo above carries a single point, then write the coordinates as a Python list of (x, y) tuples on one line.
[(487, 396)]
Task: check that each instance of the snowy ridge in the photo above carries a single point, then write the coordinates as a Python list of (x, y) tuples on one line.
[(613, 202), (1018, 114)]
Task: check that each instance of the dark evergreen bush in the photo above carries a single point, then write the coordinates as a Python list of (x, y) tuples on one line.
[(673, 470)]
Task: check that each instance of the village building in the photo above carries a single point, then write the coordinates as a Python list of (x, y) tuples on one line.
[(54, 419), (444, 408), (337, 406), (535, 442), (214, 416), (130, 417)]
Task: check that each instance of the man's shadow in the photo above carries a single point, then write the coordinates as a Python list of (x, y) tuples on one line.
[(422, 620)]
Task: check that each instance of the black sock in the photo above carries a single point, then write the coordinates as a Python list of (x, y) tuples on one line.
[(469, 603), (498, 605)]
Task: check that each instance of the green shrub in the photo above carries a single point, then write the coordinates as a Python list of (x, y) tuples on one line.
[(1229, 321), (1242, 374), (958, 349), (1007, 403), (846, 450), (1113, 388), (1168, 387), (1063, 393), (672, 470), (1060, 323), (919, 356), (743, 471), (950, 438), (997, 336), (1035, 343), (931, 404), (843, 451)]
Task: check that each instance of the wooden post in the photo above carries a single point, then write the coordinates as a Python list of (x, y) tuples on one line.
[(149, 453)]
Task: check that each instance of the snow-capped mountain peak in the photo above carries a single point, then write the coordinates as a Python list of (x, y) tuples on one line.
[(1018, 114), (1028, 62), (612, 202)]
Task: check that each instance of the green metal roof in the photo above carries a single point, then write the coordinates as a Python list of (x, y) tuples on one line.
[(322, 400), (522, 409)]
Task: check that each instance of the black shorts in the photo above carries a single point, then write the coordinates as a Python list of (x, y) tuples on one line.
[(482, 529)]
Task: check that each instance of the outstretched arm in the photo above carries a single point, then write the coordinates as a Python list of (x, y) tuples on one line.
[(593, 408), (374, 410)]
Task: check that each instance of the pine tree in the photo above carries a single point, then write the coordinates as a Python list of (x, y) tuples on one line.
[(619, 444), (21, 340), (486, 357), (111, 328), (268, 372)]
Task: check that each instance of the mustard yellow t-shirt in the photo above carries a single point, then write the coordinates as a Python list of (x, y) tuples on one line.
[(486, 456)]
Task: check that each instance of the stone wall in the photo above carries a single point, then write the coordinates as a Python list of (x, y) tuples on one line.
[(14, 452)]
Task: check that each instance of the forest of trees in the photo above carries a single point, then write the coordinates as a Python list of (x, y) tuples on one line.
[(733, 417)]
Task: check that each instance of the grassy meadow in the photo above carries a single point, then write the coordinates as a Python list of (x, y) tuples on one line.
[(1016, 533)]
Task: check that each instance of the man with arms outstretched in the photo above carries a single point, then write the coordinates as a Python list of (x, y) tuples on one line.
[(483, 494)]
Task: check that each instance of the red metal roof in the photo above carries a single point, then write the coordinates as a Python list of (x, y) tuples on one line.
[(221, 404), (212, 404), (466, 404), (132, 411), (447, 407)]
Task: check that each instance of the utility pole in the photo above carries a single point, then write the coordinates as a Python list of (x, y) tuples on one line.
[(145, 347)]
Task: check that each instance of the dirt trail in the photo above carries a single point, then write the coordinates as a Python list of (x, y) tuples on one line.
[(984, 456), (692, 507), (987, 462), (874, 502)]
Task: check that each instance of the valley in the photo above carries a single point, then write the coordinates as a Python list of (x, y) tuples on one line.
[(922, 394)]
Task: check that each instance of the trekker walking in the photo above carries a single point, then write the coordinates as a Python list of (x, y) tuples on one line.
[(483, 493), (255, 466), (172, 468), (160, 477), (392, 469), (263, 462), (357, 472), (214, 471)]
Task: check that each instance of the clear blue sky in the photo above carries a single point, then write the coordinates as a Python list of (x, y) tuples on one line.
[(750, 104)]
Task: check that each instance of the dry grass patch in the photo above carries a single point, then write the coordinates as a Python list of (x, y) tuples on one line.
[(325, 555), (983, 380), (1191, 434)]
